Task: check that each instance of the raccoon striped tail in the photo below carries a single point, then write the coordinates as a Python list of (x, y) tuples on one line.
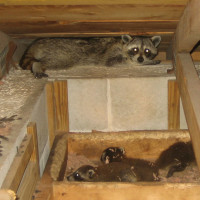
[(59, 158)]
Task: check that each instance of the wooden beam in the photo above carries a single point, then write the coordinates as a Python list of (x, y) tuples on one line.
[(173, 105), (19, 164), (51, 112), (61, 106), (32, 130), (125, 191), (188, 30), (189, 87)]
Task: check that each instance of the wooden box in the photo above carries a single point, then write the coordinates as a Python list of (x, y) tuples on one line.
[(177, 21)]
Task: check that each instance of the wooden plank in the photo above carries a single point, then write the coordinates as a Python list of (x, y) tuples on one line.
[(32, 130), (19, 165), (27, 186), (147, 144), (51, 112), (189, 87), (188, 30), (112, 11), (173, 105), (95, 2), (61, 106), (100, 27), (125, 191)]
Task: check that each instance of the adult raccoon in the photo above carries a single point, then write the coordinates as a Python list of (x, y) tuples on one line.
[(64, 52)]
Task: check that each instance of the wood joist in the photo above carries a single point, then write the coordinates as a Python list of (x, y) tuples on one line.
[(186, 37)]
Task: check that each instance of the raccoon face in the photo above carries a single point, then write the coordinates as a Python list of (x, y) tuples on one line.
[(141, 49), (113, 154), (84, 173)]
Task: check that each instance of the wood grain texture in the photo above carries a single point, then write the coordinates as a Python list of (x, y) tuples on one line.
[(76, 18), (173, 105), (125, 191), (189, 87), (86, 2), (19, 164), (188, 30), (147, 144), (30, 178), (51, 112), (61, 105)]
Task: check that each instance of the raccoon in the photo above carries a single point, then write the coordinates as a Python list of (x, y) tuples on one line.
[(53, 53), (144, 170), (112, 172), (177, 157)]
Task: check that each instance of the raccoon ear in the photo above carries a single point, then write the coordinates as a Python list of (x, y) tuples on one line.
[(126, 38), (91, 173), (156, 40)]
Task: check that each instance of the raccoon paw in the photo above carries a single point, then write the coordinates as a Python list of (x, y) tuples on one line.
[(40, 75), (157, 62)]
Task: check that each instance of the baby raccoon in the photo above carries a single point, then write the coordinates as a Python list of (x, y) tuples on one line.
[(112, 172), (143, 169), (176, 157), (52, 53)]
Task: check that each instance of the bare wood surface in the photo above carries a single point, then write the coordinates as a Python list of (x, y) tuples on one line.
[(61, 105), (95, 2), (125, 191), (147, 144), (189, 87), (173, 105), (188, 30), (27, 186), (32, 130), (51, 112), (20, 162)]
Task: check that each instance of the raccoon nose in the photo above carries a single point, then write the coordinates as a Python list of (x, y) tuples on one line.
[(140, 59)]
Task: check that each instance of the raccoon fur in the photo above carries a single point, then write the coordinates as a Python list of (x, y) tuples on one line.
[(143, 169), (53, 53), (177, 157), (112, 172)]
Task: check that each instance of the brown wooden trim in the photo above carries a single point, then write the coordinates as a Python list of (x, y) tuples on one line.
[(189, 87), (19, 164), (61, 106), (28, 183), (173, 105), (125, 191), (51, 112), (188, 30)]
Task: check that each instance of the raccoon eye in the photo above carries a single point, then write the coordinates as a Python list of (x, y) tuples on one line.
[(133, 51), (147, 52), (77, 177)]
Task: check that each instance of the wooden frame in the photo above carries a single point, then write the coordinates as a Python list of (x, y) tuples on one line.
[(24, 172), (186, 37)]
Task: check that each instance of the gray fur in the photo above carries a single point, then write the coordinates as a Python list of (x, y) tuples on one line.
[(53, 53)]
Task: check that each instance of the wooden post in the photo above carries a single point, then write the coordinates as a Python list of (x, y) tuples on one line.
[(32, 130), (51, 112), (173, 105), (189, 87), (20, 162), (61, 106), (188, 30)]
